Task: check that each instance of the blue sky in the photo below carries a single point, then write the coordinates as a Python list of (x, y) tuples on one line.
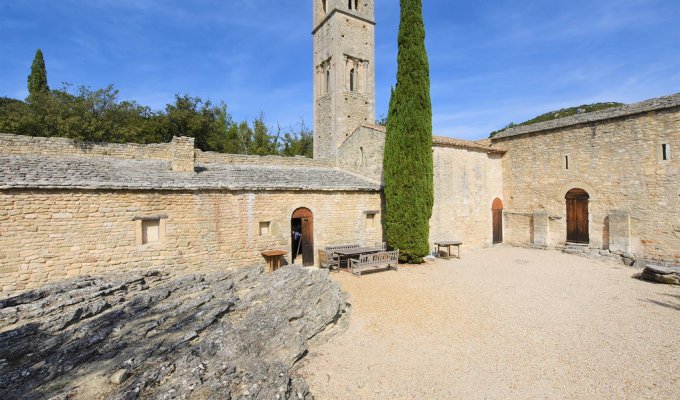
[(492, 62)]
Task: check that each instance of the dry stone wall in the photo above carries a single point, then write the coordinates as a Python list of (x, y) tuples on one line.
[(619, 162), (209, 157), (466, 182), (48, 235), (29, 145)]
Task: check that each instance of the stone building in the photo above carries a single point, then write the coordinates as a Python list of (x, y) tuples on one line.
[(608, 180)]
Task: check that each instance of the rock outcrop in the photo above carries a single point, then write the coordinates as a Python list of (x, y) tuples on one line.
[(661, 273), (227, 335)]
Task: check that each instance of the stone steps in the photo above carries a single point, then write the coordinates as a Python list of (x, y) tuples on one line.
[(575, 248)]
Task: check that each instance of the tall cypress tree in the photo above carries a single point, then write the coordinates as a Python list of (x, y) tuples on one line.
[(37, 80), (408, 166)]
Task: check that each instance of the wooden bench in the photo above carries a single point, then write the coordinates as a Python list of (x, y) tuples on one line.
[(382, 260), (328, 258)]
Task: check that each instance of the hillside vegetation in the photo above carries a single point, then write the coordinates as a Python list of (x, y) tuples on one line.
[(563, 113)]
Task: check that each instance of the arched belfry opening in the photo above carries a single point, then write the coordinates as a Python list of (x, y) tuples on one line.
[(352, 80), (323, 5), (302, 237), (497, 216), (577, 216)]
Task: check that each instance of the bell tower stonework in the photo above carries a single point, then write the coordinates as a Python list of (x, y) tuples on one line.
[(344, 71)]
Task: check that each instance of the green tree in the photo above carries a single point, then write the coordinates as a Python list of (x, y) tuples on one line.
[(408, 167), (298, 142), (37, 80), (263, 143), (193, 117)]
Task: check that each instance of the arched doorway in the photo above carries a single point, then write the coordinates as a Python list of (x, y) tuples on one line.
[(577, 216), (302, 236), (497, 211)]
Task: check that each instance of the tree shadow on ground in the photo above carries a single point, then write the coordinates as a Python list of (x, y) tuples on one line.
[(673, 306)]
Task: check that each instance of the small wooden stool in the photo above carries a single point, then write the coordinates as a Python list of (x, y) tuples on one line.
[(273, 258)]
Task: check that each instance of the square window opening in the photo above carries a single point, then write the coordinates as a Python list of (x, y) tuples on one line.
[(370, 220), (151, 231), (265, 228)]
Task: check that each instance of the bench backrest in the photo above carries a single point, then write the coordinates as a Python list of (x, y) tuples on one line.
[(342, 247), (384, 257)]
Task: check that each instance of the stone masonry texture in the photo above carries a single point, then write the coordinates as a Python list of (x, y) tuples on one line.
[(617, 161), (344, 39), (47, 235)]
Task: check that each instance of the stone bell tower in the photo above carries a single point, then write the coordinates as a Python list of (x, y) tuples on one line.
[(344, 71)]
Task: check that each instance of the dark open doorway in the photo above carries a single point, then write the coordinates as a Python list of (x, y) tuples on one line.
[(497, 210), (302, 236), (577, 216)]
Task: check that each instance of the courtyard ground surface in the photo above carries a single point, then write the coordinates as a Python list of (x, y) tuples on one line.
[(503, 323)]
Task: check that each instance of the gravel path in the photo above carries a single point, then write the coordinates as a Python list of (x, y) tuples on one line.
[(504, 323)]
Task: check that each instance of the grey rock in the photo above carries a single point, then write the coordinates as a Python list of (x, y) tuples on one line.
[(661, 273), (232, 335), (119, 376)]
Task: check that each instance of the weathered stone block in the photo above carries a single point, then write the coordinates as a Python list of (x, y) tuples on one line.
[(540, 229), (619, 232)]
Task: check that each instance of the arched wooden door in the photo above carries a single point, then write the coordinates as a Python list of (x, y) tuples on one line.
[(577, 216), (497, 210), (302, 228)]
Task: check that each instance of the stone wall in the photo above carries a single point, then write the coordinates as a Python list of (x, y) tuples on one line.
[(54, 146), (466, 182), (50, 235), (363, 152), (209, 157), (618, 162)]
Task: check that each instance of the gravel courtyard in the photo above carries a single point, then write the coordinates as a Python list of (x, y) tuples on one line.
[(503, 323)]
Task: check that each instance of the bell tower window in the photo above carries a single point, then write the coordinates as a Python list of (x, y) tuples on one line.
[(352, 80), (328, 81), (323, 3)]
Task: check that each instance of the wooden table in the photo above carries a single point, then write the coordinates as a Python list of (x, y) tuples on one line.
[(448, 245), (349, 253), (273, 258)]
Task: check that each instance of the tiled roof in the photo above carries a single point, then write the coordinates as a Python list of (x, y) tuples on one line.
[(480, 145), (659, 103), (55, 172)]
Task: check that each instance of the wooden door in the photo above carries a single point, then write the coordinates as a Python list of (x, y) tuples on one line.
[(497, 211), (577, 216), (307, 239)]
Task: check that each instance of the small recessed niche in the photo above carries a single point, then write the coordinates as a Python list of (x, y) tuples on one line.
[(370, 219), (265, 228), (150, 230), (566, 162)]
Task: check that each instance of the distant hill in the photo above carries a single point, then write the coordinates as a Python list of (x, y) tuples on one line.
[(563, 113)]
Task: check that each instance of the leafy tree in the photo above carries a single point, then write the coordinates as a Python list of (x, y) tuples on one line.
[(37, 80), (263, 143), (298, 141), (193, 117), (408, 166), (84, 114)]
